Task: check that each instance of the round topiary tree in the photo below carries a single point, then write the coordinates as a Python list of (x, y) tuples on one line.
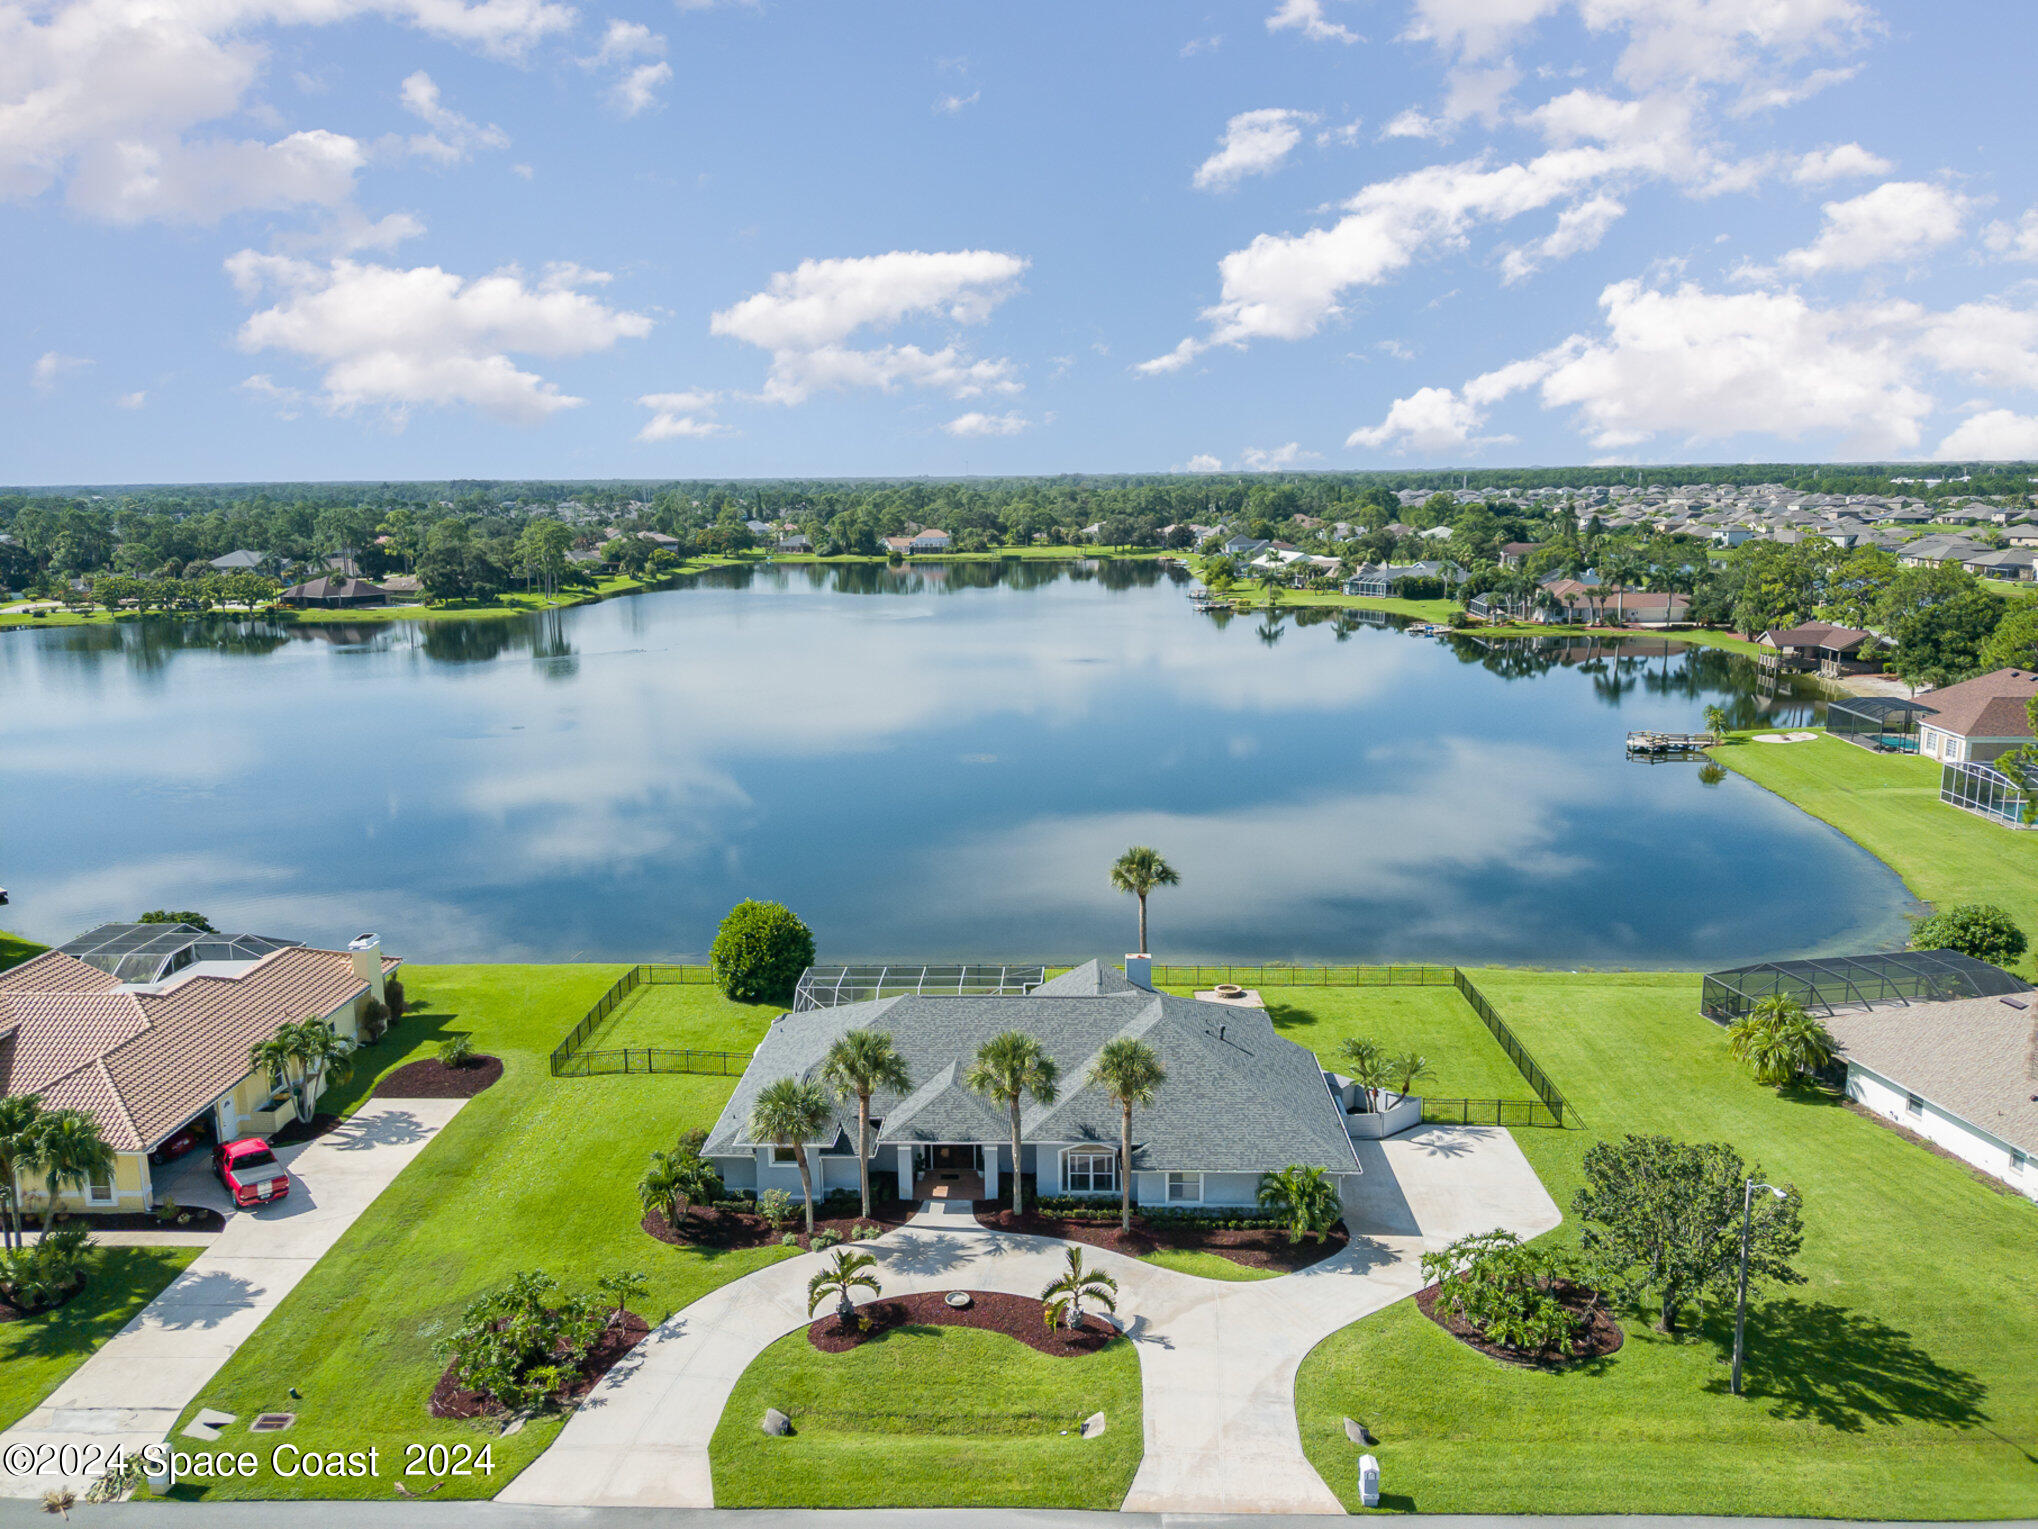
[(1980, 930), (760, 951)]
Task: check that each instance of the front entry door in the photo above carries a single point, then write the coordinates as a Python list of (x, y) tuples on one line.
[(953, 1160)]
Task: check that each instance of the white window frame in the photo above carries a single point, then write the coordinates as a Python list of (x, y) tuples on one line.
[(1090, 1156), (785, 1157), (92, 1191), (2019, 1160), (1169, 1196), (1914, 1104)]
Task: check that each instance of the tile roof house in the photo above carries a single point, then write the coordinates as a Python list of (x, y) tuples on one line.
[(1963, 1074), (1823, 646), (150, 1042), (1977, 720), (1239, 1100)]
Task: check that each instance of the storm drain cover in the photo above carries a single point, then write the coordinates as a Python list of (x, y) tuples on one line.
[(272, 1422)]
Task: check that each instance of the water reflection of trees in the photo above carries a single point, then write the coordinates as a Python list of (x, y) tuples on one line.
[(934, 577), (1619, 666)]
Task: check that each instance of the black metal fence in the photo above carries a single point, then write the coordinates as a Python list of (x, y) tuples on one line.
[(1480, 1112), (572, 1058), (720, 1064), (1304, 976), (1551, 1096)]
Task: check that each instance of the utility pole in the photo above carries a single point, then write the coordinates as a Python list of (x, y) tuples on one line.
[(1741, 1299)]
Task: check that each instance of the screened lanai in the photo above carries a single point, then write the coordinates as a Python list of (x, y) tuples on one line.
[(824, 987), (1856, 982), (1885, 723)]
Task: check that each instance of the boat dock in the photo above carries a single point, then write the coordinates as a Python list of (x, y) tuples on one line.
[(1654, 745)]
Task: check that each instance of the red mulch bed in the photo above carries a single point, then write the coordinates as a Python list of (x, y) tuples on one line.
[(1601, 1338), (433, 1079), (297, 1131), (452, 1400), (720, 1229), (1256, 1248), (991, 1311)]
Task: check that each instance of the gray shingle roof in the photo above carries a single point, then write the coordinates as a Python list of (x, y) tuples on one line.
[(1238, 1098), (1975, 1058)]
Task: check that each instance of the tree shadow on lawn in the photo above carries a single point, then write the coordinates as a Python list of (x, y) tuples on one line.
[(1288, 1016), (122, 1280), (413, 1038), (1815, 1362)]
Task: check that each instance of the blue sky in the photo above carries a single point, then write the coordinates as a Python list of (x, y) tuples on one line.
[(259, 239)]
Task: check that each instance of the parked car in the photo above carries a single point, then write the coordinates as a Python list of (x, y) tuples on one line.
[(250, 1172), (177, 1145)]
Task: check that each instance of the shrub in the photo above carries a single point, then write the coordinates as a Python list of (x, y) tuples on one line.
[(1504, 1290), (825, 1238), (166, 1210), (521, 1341), (393, 998), (760, 951), (776, 1206), (1980, 930), (374, 1020), (456, 1050), (49, 1270), (789, 1240)]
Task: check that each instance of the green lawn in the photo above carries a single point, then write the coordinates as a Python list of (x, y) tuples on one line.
[(1205, 1265), (1889, 805), (684, 1014), (14, 949), (537, 1171), (39, 1352), (1901, 1372), (1465, 1060), (930, 1417)]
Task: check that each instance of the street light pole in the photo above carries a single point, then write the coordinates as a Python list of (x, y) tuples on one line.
[(1741, 1300)]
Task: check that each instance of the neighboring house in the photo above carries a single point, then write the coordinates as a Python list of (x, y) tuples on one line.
[(2015, 563), (797, 542), (1929, 551), (147, 1029), (760, 527), (1958, 1073), (1977, 720), (1239, 1100), (407, 586), (1832, 650), (1245, 546), (1583, 601), (929, 540), (243, 561), (1730, 536), (659, 539), (1378, 581), (1514, 554), (334, 592)]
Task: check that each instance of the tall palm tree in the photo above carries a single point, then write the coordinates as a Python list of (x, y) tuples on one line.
[(846, 1271), (1131, 1073), (1367, 1066), (1305, 1196), (1780, 1042), (1716, 720), (1011, 1067), (860, 1063), (1062, 1301), (70, 1153), (1138, 871), (301, 1058), (21, 1118), (790, 1113)]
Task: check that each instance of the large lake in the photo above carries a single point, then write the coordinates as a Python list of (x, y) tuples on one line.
[(930, 763)]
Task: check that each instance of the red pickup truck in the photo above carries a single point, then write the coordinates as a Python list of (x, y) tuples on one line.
[(250, 1172)]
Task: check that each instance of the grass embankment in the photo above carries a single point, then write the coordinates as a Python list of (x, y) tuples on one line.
[(1902, 1370), (38, 1353), (536, 1172), (1889, 805), (930, 1417), (14, 949)]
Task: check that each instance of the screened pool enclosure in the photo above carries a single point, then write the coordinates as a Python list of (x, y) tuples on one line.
[(825, 987), (1882, 722), (1983, 789), (1855, 982)]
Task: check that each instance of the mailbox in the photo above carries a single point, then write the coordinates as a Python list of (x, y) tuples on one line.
[(1369, 1481)]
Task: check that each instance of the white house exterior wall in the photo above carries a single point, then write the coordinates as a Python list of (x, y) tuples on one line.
[(1968, 1143)]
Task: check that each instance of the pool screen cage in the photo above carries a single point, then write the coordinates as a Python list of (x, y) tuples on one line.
[(1984, 789), (825, 987), (1877, 721), (1856, 982)]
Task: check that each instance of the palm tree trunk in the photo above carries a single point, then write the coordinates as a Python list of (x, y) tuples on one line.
[(863, 1148), (1142, 923), (1018, 1187), (806, 1183), (1125, 1169)]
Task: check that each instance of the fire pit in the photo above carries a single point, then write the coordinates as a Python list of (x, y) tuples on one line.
[(1230, 990)]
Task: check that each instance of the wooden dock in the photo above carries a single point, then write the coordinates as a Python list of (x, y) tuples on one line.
[(1654, 744)]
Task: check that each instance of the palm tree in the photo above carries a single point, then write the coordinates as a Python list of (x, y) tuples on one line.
[(1780, 1042), (675, 1182), (1403, 1070), (845, 1272), (1010, 1067), (301, 1057), (1130, 1072), (71, 1153), (1305, 1196), (1062, 1301), (1716, 720), (860, 1063), (1368, 1068), (789, 1114), (21, 1118), (1138, 871)]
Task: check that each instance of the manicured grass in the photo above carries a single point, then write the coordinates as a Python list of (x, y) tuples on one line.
[(1465, 1060), (14, 949), (536, 1172), (38, 1353), (1695, 637), (1889, 805), (1205, 1265), (685, 1014), (930, 1417), (1901, 1370)]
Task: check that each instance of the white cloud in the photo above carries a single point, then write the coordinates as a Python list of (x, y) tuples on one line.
[(626, 41), (51, 367), (1897, 221), (134, 400), (1343, 134), (977, 423), (1254, 143), (1410, 124), (1430, 421), (1579, 228), (1840, 161), (1308, 18), (1275, 459), (638, 54), (2013, 241), (1204, 462), (638, 89), (804, 316), (681, 416), (394, 338), (949, 105), (1196, 45), (1995, 435), (453, 137)]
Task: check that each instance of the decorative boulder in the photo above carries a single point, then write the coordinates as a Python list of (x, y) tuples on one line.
[(1093, 1425), (776, 1423), (1356, 1432)]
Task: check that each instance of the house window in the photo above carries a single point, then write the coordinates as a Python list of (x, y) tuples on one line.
[(1913, 1105), (1185, 1187), (1090, 1172), (787, 1155), (99, 1188), (2018, 1160)]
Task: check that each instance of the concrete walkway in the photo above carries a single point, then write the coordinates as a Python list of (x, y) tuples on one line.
[(1217, 1359), (131, 1392)]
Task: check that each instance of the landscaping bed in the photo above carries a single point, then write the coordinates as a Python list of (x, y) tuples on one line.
[(9, 1312), (722, 1227), (450, 1399), (299, 1131), (1253, 1247), (200, 1220), (995, 1311), (431, 1078), (1602, 1335)]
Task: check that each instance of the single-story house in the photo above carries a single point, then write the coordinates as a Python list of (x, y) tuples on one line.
[(243, 561), (1930, 551), (2013, 563), (147, 1029), (1823, 646), (1958, 1073), (1239, 1100), (1514, 554), (328, 590), (1977, 720), (797, 542), (1378, 580), (930, 540), (407, 586), (1583, 601)]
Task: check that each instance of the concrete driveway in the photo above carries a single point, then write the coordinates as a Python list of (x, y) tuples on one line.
[(130, 1393), (1217, 1360)]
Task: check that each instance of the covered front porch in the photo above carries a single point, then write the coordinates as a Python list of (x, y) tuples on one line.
[(949, 1171)]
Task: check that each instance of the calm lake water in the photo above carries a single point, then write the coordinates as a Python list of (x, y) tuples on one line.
[(931, 763)]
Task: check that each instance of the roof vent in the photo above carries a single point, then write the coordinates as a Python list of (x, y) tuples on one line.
[(2015, 1003)]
